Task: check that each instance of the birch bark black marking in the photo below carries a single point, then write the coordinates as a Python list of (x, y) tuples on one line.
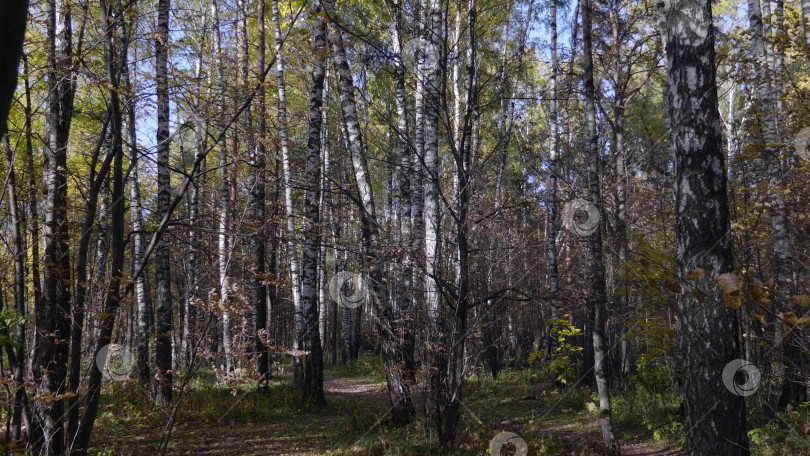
[(163, 346), (402, 408), (714, 417)]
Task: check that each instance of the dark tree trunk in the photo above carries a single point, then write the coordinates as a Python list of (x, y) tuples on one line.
[(163, 346), (708, 338), (53, 316), (597, 296), (257, 212), (404, 310), (115, 56), (313, 362), (81, 267), (17, 362), (463, 157), (553, 173), (13, 20)]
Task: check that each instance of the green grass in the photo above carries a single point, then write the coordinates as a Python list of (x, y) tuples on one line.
[(367, 366), (227, 419)]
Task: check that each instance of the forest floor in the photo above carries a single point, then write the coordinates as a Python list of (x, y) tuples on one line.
[(217, 419)]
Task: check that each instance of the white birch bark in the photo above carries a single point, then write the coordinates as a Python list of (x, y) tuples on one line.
[(292, 244)]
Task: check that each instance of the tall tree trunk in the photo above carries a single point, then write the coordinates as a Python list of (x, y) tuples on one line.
[(163, 346), (402, 409), (405, 309), (17, 363), (620, 77), (330, 226), (596, 293), (417, 183), (622, 247), (223, 239), (491, 330), (463, 156), (313, 376), (115, 50), (325, 213), (34, 185), (20, 395), (794, 383), (192, 285), (292, 245), (553, 173), (79, 305), (257, 208), (143, 293), (437, 375), (53, 316), (708, 338), (247, 125)]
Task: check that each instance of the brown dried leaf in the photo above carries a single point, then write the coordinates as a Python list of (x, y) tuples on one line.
[(697, 274)]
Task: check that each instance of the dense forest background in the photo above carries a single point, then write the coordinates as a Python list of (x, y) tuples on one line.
[(405, 227)]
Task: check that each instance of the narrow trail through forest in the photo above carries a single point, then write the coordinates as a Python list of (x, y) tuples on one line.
[(576, 429), (354, 422), (366, 389)]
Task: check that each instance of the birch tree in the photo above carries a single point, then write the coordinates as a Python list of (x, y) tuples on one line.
[(115, 51), (163, 346), (313, 377), (257, 207), (53, 316), (402, 409), (708, 339), (596, 297), (292, 245)]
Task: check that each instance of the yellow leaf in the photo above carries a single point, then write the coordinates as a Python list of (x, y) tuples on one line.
[(731, 302), (800, 300), (698, 273), (788, 318), (759, 295), (730, 283), (803, 321)]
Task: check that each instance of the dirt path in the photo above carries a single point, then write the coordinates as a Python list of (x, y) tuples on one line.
[(650, 449), (365, 389), (297, 436), (361, 388), (355, 406)]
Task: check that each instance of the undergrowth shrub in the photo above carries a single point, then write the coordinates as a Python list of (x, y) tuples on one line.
[(652, 404)]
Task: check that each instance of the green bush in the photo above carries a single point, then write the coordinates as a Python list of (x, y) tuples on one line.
[(783, 434), (651, 406)]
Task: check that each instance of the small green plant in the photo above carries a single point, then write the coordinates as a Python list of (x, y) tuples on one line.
[(651, 406), (560, 368)]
